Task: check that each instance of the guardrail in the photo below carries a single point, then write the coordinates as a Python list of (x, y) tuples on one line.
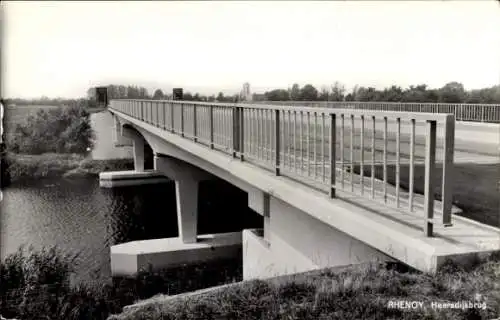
[(462, 111), (305, 143)]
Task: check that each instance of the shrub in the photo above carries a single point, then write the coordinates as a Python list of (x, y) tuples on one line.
[(57, 130)]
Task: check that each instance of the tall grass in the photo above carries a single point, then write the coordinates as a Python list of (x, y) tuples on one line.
[(358, 292), (36, 285)]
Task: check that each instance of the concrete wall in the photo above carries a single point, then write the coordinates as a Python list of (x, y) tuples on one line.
[(298, 242)]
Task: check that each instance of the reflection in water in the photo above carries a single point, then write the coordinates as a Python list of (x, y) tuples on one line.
[(80, 217)]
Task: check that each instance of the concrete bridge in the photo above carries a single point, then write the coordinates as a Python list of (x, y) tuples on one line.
[(310, 172)]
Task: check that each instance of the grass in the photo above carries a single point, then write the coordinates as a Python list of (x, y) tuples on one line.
[(18, 167), (356, 292), (35, 285)]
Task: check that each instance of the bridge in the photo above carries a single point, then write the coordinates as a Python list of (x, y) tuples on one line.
[(311, 172)]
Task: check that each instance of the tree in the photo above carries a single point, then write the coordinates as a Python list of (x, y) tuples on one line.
[(394, 94), (367, 94), (353, 96), (143, 93), (59, 130), (295, 92), (158, 95), (277, 95), (122, 92), (324, 94), (452, 92), (133, 92), (220, 97), (308, 93), (337, 92)]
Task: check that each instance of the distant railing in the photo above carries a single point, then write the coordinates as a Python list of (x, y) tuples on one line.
[(462, 111), (305, 143)]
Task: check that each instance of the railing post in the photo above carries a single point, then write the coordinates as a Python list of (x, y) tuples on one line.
[(211, 124), (277, 139), (182, 119), (241, 133), (150, 112), (430, 163), (155, 118), (236, 131), (164, 116), (333, 146), (447, 180), (172, 116), (195, 125), (142, 111), (482, 113)]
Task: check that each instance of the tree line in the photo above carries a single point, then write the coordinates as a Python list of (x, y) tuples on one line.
[(137, 92), (452, 92), (44, 101)]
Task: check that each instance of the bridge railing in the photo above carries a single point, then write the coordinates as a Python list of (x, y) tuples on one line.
[(341, 151), (462, 111)]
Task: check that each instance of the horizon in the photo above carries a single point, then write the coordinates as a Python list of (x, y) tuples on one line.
[(61, 58), (215, 93)]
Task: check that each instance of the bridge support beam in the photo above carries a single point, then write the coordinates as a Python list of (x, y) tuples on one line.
[(187, 180)]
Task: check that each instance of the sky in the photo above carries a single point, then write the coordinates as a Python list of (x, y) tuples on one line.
[(60, 49)]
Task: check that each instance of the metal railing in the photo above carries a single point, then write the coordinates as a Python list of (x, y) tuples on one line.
[(462, 111), (305, 143)]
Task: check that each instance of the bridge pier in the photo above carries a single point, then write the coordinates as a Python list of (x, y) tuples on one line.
[(187, 183), (189, 247), (139, 176), (118, 138), (138, 145)]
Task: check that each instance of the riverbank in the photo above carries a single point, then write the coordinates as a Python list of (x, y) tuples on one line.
[(355, 292), (21, 167)]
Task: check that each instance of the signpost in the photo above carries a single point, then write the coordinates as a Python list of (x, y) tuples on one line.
[(102, 96), (177, 94)]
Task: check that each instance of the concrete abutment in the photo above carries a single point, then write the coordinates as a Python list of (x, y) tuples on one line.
[(293, 241)]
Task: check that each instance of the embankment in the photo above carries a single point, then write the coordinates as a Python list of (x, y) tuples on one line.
[(17, 167), (369, 291)]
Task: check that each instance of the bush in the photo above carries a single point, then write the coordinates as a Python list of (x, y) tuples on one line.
[(56, 130), (33, 282)]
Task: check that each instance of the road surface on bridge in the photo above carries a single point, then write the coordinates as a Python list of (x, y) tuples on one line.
[(474, 143)]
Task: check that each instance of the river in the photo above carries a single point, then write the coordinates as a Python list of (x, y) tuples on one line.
[(81, 218)]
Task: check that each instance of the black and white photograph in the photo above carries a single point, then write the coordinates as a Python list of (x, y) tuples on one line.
[(250, 160)]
